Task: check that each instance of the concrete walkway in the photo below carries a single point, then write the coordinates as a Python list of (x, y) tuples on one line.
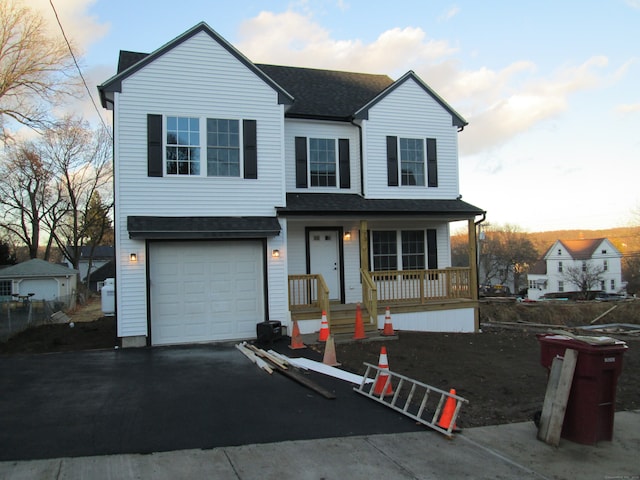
[(505, 451)]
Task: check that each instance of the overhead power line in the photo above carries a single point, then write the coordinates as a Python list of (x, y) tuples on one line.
[(95, 106)]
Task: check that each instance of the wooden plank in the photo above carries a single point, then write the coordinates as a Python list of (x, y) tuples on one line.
[(556, 397)]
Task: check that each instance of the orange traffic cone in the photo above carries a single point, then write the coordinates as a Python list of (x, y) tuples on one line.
[(296, 338), (359, 331), (388, 328), (324, 328), (330, 353), (383, 377), (447, 413)]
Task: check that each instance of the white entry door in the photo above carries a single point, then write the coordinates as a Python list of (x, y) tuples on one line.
[(324, 258)]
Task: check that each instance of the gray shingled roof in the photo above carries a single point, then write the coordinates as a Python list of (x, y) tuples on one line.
[(353, 204), (326, 94), (36, 268), (202, 227)]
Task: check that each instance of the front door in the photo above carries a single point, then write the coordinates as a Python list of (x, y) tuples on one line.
[(324, 258)]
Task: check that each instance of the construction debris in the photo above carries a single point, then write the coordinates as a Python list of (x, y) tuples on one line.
[(270, 363)]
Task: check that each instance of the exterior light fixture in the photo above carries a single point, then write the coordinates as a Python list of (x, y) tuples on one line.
[(133, 257), (347, 236), (275, 253)]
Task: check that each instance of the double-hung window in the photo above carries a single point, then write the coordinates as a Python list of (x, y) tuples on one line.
[(412, 161), (183, 146), (413, 250), (223, 148), (322, 162)]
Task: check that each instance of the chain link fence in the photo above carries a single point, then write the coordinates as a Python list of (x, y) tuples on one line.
[(17, 315)]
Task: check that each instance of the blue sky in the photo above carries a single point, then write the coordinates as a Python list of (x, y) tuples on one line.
[(550, 88)]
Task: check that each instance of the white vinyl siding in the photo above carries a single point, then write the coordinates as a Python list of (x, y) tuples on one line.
[(197, 78), (409, 112), (320, 129)]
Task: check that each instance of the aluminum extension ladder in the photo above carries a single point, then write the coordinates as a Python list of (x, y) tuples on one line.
[(410, 397)]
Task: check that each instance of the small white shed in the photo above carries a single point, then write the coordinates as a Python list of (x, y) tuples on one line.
[(39, 280)]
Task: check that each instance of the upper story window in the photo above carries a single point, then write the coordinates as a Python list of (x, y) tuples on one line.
[(560, 267), (183, 146), (223, 148), (322, 162), (584, 266), (605, 265), (412, 161), (198, 146)]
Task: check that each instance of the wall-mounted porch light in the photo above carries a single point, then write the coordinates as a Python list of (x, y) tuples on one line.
[(133, 257), (347, 236), (275, 253)]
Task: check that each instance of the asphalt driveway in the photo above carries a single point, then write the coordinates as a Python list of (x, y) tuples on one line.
[(168, 398)]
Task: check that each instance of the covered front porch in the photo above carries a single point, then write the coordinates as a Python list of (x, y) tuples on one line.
[(442, 299)]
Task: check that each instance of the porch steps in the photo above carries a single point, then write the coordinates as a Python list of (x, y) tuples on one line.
[(342, 319)]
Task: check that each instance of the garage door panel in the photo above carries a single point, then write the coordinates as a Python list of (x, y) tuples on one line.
[(205, 291)]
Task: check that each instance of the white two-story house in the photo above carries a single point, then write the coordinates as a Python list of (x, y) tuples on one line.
[(248, 192), (598, 258)]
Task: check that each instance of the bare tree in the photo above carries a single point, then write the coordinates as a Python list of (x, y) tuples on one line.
[(81, 161), (585, 276), (26, 194), (505, 254), (36, 69)]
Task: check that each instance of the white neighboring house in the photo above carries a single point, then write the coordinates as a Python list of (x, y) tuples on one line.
[(37, 279), (548, 275), (247, 193)]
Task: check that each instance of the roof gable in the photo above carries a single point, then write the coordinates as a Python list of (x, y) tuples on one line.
[(456, 119), (581, 249), (131, 62), (36, 268)]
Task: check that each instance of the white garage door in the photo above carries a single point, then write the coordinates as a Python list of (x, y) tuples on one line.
[(43, 288), (205, 291)]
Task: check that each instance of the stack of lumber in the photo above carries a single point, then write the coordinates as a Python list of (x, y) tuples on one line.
[(271, 361)]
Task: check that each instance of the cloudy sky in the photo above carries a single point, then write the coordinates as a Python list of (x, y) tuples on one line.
[(551, 89)]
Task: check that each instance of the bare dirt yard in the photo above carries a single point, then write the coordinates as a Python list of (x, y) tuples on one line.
[(497, 370)]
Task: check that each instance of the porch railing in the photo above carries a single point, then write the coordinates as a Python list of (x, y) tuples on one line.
[(308, 292), (369, 296), (421, 286)]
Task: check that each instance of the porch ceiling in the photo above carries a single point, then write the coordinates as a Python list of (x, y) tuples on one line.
[(353, 204)]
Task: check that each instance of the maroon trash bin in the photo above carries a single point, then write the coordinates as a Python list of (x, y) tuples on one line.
[(592, 400)]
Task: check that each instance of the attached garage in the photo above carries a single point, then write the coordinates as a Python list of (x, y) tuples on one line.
[(203, 291)]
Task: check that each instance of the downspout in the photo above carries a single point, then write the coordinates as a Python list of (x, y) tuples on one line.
[(361, 159)]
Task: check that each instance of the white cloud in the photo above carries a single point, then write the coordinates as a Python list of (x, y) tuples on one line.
[(628, 108), (290, 38), (449, 14), (81, 28)]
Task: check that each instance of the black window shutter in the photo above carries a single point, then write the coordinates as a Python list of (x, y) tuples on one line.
[(301, 162), (154, 145), (250, 145), (432, 249), (432, 163), (343, 156), (392, 161)]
